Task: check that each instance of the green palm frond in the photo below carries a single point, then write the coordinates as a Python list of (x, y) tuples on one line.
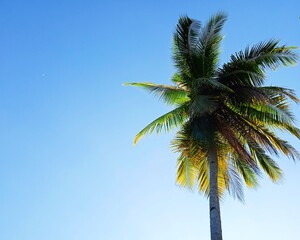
[(267, 55), (279, 114), (246, 95), (255, 132), (168, 121), (176, 78), (281, 145), (184, 42), (253, 114), (202, 84), (206, 55), (248, 174), (169, 94), (247, 68), (186, 34), (210, 36), (216, 84), (262, 134), (267, 164), (259, 112), (240, 74), (280, 91)]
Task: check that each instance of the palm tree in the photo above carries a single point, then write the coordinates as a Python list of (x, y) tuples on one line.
[(225, 115)]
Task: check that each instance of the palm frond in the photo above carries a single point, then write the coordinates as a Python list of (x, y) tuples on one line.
[(244, 130), (248, 174), (201, 105), (206, 54), (263, 135), (253, 114), (237, 147), (187, 172), (202, 84), (184, 42), (267, 55), (216, 84), (169, 94), (203, 177), (283, 92), (282, 145), (240, 74), (267, 164), (223, 174), (168, 121), (235, 186), (186, 34), (279, 114), (247, 68)]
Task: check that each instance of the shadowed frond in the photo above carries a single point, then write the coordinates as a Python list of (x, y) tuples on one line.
[(206, 54), (235, 185), (267, 55), (186, 35), (185, 39), (247, 68), (237, 146), (275, 119), (273, 91), (201, 105), (278, 144)]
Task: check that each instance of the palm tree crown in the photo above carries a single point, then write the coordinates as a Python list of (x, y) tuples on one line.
[(224, 107)]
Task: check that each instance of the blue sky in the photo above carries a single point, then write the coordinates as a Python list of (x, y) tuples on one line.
[(68, 168)]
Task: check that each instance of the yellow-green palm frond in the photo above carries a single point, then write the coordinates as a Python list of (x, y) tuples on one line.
[(187, 172)]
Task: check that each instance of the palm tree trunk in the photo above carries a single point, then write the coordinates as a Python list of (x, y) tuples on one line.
[(214, 205)]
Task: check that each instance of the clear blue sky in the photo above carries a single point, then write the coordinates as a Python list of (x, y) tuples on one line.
[(68, 168)]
